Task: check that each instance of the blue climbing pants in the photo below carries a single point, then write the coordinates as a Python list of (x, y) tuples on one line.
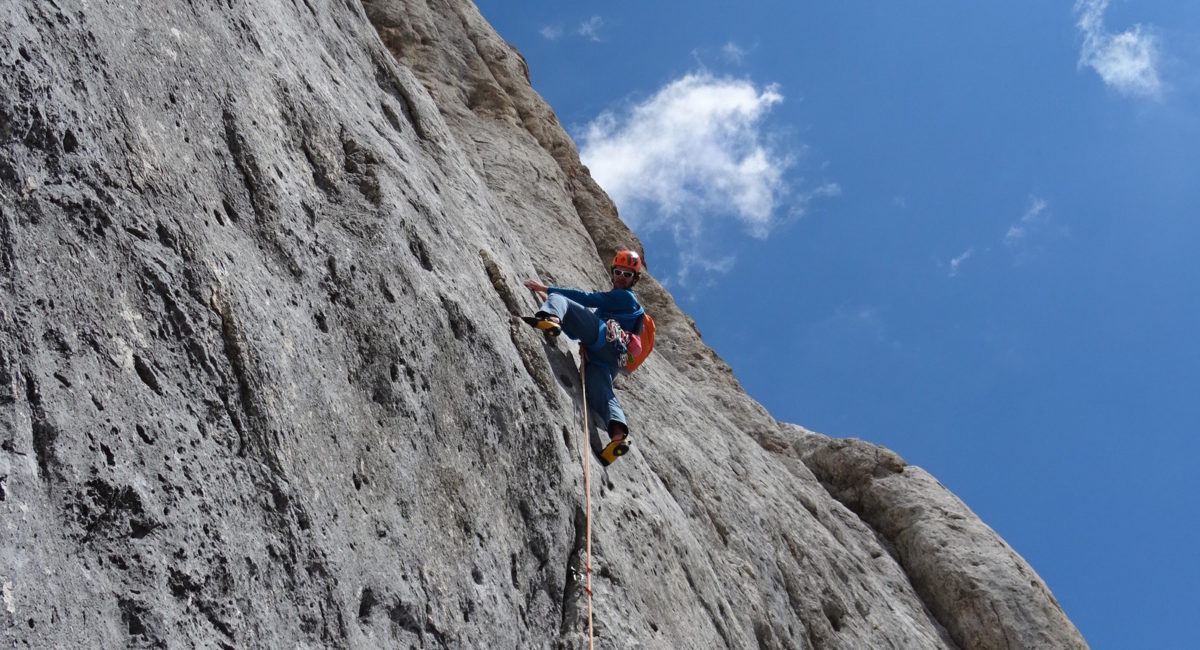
[(579, 323)]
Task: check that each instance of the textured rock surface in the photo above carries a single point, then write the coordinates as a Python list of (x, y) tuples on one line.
[(259, 385), (970, 578)]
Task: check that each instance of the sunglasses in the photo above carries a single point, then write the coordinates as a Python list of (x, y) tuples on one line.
[(624, 274)]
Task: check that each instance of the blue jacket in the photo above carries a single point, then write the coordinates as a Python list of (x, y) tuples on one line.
[(616, 304)]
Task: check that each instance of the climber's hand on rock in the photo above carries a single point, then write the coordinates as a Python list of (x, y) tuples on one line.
[(535, 286)]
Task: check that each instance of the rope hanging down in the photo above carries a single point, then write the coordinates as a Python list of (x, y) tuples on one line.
[(587, 488)]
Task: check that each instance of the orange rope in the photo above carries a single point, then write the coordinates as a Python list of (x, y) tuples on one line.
[(587, 488)]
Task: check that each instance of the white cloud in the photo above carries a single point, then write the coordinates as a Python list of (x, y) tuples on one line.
[(692, 260), (691, 155), (551, 32), (1031, 221), (733, 53), (1127, 62), (1024, 240), (696, 144), (823, 191), (590, 28), (956, 262)]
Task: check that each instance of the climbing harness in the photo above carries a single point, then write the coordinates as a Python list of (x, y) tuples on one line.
[(587, 488)]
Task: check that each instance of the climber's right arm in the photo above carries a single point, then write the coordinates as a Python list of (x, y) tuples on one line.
[(585, 298)]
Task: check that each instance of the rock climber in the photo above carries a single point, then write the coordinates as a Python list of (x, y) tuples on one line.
[(606, 336)]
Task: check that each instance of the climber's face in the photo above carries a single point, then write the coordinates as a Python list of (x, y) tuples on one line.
[(623, 277)]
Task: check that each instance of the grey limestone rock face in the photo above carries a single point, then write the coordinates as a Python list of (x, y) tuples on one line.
[(974, 582), (260, 385)]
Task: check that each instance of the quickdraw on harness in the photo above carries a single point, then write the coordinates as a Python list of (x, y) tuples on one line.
[(605, 335)]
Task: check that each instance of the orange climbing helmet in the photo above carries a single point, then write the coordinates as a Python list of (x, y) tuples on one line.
[(628, 259)]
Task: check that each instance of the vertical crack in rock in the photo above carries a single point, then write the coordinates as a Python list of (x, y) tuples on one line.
[(388, 78), (44, 434), (532, 357), (247, 400), (366, 604), (247, 166), (146, 374), (7, 242), (8, 392), (498, 283), (714, 616), (575, 584), (306, 134), (324, 178), (419, 250), (258, 190)]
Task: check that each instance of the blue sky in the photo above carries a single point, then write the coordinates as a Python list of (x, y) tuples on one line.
[(971, 229)]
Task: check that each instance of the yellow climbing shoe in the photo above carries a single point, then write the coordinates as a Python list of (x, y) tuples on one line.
[(613, 451), (548, 327)]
